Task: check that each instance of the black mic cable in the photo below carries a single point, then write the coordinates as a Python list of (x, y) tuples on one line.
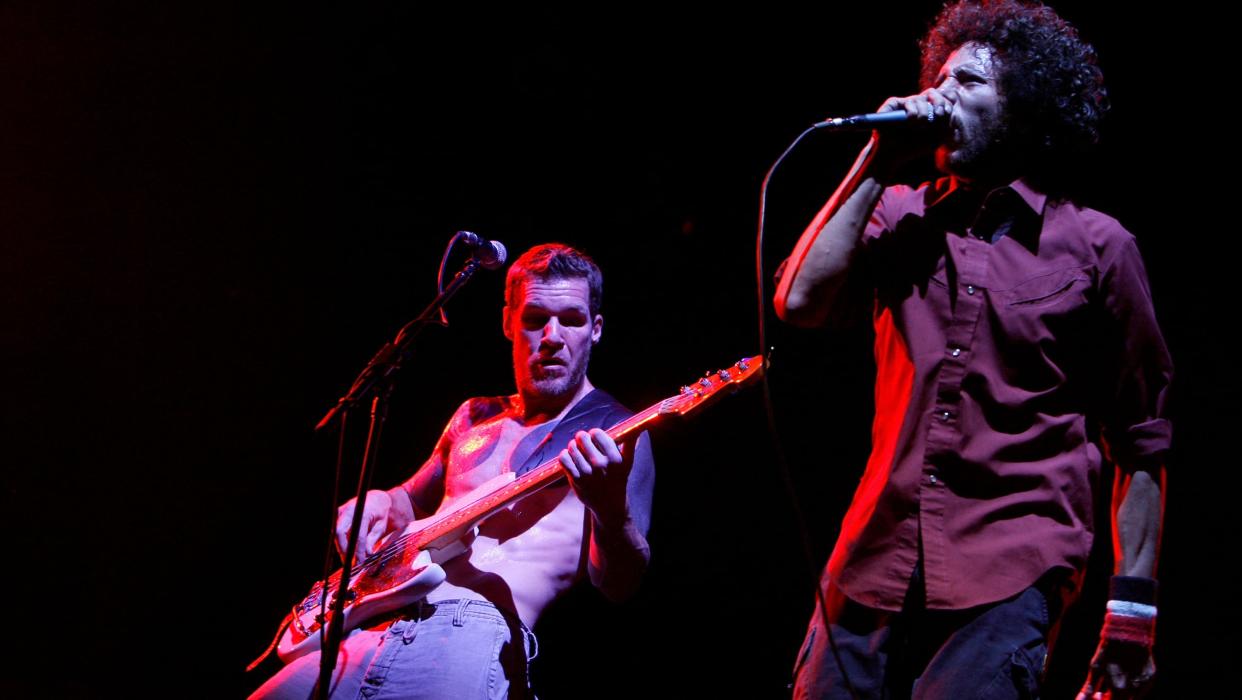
[(778, 448)]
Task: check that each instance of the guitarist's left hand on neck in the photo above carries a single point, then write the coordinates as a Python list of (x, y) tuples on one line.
[(600, 473), (598, 470)]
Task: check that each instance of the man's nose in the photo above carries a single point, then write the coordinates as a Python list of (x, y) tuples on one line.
[(552, 331)]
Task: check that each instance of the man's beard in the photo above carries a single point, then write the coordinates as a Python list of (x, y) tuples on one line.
[(988, 152), (553, 387)]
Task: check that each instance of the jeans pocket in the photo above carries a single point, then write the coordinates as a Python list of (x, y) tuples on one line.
[(1018, 679), (1027, 668)]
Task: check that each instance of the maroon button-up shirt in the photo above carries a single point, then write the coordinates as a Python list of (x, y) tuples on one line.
[(1011, 329)]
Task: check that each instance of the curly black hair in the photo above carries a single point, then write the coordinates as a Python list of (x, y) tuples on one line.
[(1053, 90)]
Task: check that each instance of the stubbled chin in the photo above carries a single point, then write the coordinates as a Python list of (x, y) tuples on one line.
[(954, 160), (551, 386)]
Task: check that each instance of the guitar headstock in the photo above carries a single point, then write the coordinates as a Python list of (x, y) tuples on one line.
[(712, 386)]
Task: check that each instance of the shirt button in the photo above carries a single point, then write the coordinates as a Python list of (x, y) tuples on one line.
[(955, 352), (970, 289), (933, 479)]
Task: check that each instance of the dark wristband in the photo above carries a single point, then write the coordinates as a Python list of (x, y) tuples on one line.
[(1134, 589)]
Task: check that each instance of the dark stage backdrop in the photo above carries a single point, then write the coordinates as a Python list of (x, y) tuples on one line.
[(214, 213)]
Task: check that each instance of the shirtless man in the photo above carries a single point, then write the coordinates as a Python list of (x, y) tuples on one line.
[(471, 637)]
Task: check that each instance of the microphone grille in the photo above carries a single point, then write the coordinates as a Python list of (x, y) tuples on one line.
[(502, 255)]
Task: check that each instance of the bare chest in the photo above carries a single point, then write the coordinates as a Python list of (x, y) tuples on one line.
[(487, 450)]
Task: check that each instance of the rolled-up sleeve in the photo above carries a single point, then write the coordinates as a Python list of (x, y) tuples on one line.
[(1136, 424)]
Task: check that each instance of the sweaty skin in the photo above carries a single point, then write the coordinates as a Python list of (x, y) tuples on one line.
[(525, 556)]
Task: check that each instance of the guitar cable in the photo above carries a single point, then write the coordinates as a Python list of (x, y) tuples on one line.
[(810, 570)]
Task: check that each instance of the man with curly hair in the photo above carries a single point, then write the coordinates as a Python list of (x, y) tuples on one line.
[(1016, 349)]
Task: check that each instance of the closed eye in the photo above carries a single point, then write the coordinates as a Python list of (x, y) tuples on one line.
[(535, 319), (573, 319)]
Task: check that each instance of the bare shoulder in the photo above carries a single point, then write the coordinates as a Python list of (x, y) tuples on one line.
[(474, 411)]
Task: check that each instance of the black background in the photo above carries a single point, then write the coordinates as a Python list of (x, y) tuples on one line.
[(213, 215)]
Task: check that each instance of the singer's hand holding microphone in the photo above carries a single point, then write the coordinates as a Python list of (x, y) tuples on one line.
[(929, 106), (905, 128)]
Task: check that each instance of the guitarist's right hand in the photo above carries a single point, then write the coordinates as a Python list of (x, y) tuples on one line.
[(379, 517)]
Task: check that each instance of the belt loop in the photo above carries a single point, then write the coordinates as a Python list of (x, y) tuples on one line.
[(459, 615)]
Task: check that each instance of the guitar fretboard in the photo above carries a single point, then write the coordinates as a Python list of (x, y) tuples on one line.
[(542, 476)]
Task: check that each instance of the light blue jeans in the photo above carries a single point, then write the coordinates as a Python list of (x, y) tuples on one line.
[(448, 649)]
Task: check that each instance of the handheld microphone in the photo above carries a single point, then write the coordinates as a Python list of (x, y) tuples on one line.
[(867, 122), (490, 254)]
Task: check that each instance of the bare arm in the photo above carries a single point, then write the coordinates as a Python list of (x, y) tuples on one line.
[(388, 511), (616, 486), (392, 510), (1138, 518), (619, 551), (820, 261), (1123, 666)]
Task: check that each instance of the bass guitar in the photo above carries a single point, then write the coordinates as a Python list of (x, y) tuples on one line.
[(406, 567)]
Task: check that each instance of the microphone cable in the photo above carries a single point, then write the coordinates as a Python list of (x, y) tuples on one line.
[(810, 569)]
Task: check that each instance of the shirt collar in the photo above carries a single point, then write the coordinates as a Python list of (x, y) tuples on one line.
[(1034, 199), (956, 206), (951, 191)]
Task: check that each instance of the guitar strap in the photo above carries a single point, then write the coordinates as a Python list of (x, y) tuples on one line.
[(597, 409)]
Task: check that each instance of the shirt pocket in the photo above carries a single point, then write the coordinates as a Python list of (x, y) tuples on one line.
[(1049, 306), (1051, 289)]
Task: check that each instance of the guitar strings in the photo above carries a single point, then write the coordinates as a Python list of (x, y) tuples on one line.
[(397, 547)]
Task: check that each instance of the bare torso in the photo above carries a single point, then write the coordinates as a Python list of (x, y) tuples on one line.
[(524, 556)]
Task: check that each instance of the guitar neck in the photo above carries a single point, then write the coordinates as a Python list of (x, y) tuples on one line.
[(377, 585)]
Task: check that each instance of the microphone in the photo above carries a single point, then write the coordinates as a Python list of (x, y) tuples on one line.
[(867, 122), (490, 254)]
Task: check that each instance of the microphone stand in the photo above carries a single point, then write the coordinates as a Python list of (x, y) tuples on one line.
[(376, 380)]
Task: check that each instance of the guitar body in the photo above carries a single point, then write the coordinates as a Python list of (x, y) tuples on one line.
[(396, 576), (398, 583)]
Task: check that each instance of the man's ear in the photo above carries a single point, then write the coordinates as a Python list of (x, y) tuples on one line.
[(597, 329), (504, 320)]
